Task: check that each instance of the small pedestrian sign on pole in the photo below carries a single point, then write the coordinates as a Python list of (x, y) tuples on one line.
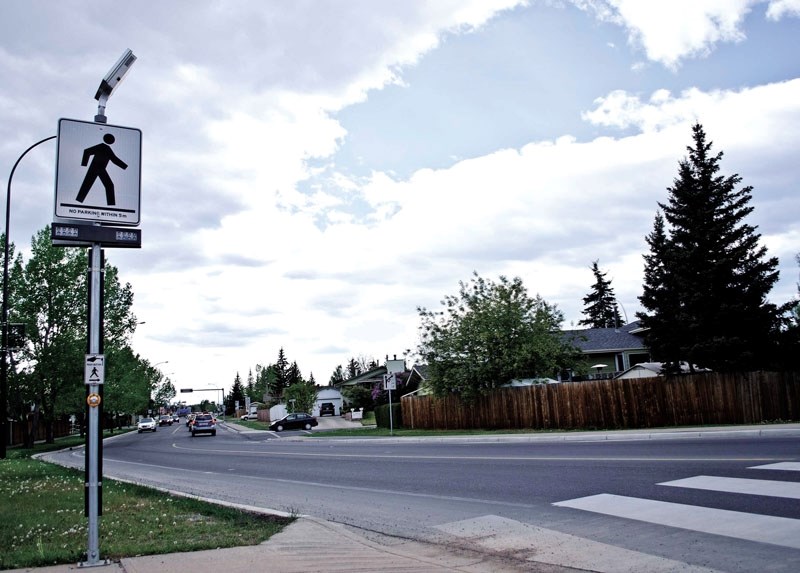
[(94, 371), (98, 172)]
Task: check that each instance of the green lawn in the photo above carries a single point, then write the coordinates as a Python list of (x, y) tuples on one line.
[(42, 520)]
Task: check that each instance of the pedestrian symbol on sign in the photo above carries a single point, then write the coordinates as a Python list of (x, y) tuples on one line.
[(98, 171), (101, 154), (94, 371)]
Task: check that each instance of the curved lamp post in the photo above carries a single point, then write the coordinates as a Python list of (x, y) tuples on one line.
[(4, 350)]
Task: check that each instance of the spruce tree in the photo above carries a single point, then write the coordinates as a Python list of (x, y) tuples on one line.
[(707, 278), (293, 375), (600, 305), (235, 395), (281, 375), (337, 376), (661, 297)]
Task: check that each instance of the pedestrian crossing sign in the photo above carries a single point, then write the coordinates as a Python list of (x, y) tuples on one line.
[(98, 172), (94, 370)]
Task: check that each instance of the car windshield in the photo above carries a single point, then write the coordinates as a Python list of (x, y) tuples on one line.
[(146, 420), (204, 417)]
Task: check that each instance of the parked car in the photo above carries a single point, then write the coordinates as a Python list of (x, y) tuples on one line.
[(165, 420), (250, 416), (146, 425), (204, 424), (327, 408), (294, 421)]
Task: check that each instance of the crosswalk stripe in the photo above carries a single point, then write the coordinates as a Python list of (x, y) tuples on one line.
[(781, 531), (790, 490), (787, 466)]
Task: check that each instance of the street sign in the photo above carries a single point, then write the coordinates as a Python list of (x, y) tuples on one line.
[(389, 382), (94, 369), (98, 172)]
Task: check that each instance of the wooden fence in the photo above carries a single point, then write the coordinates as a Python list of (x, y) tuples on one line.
[(18, 430), (699, 399)]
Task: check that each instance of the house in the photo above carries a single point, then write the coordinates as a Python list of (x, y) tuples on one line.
[(366, 379), (407, 380), (417, 378), (610, 350), (328, 396), (522, 382), (652, 369), (641, 370)]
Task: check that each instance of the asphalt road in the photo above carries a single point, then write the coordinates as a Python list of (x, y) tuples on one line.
[(733, 513)]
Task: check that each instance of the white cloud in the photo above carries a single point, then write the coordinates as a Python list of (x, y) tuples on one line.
[(779, 8), (670, 31), (543, 212), (255, 240)]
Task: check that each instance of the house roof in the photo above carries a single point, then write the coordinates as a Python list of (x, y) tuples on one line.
[(368, 377), (520, 382), (420, 370), (589, 340), (657, 368), (331, 393)]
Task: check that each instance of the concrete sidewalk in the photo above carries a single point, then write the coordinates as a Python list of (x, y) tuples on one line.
[(310, 544)]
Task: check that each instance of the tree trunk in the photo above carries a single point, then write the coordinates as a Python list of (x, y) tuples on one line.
[(49, 432)]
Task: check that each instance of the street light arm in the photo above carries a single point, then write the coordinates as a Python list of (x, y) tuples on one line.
[(4, 318)]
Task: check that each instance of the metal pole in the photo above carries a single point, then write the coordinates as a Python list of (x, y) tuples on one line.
[(4, 319), (391, 422), (94, 450), (93, 462)]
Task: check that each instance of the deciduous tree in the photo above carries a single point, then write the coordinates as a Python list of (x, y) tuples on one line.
[(488, 334)]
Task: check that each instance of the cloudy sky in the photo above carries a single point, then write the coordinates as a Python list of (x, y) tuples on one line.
[(315, 170)]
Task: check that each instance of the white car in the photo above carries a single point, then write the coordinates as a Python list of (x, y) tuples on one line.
[(147, 425), (251, 416)]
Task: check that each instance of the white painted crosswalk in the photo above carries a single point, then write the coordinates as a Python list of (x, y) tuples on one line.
[(790, 490), (781, 531), (785, 466)]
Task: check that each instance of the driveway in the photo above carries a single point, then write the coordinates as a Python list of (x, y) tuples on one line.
[(336, 423)]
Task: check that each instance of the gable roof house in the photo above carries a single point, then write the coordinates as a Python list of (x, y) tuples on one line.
[(654, 369), (610, 351), (367, 379), (417, 378)]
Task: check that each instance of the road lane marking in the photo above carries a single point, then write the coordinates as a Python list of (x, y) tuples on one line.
[(469, 458), (782, 531), (784, 489), (787, 466)]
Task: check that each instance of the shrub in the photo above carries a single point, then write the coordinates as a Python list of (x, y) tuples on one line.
[(382, 416)]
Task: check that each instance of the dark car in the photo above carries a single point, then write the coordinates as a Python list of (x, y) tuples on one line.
[(294, 421), (165, 420), (204, 424), (327, 408)]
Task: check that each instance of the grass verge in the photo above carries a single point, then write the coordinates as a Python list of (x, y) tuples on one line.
[(42, 521)]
